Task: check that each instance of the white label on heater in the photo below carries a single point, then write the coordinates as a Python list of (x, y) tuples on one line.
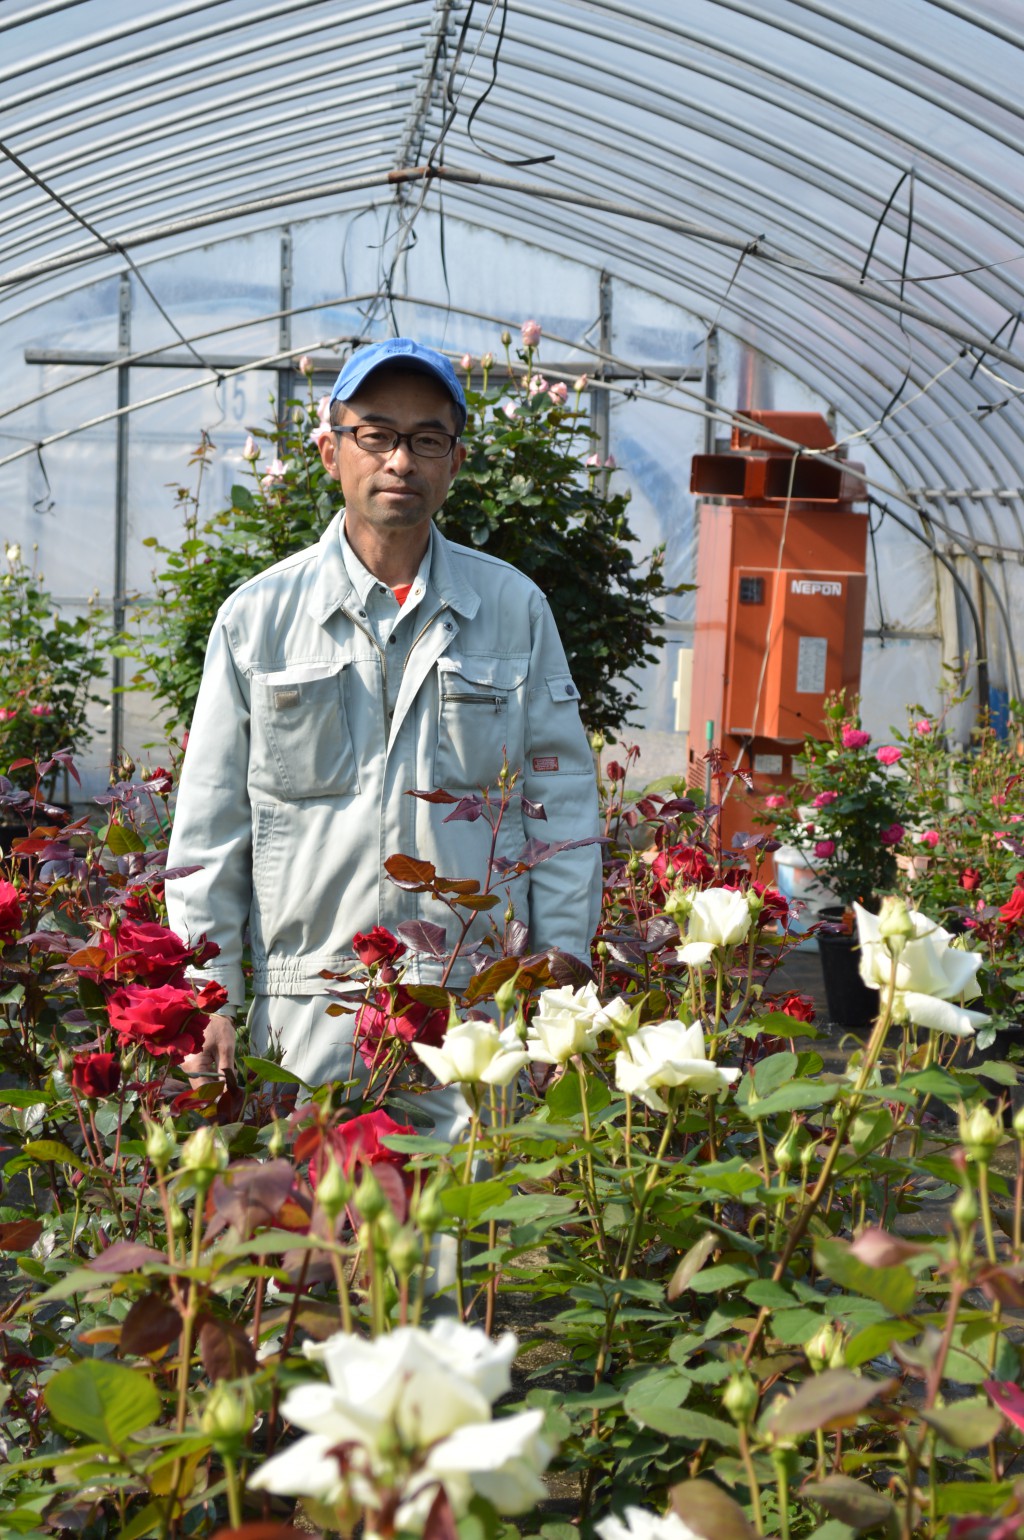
[(811, 657), (767, 764)]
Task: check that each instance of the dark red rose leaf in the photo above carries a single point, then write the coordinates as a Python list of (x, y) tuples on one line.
[(250, 1193), (516, 938), (231, 1100), (566, 969), (151, 1324), (533, 809), (438, 795), (466, 810), (405, 872), (125, 1257), (225, 1350), (20, 1234), (425, 936)]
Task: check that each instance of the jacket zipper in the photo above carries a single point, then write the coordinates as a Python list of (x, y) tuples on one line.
[(497, 701)]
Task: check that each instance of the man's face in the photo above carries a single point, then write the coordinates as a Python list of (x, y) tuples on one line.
[(399, 490)]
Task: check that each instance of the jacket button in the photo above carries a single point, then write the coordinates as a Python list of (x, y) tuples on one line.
[(570, 689), (448, 625), (361, 614)]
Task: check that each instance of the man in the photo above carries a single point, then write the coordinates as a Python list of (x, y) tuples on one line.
[(380, 661)]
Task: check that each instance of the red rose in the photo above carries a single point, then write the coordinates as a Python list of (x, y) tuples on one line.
[(165, 1020), (970, 877), (1012, 912), (159, 780), (140, 903), (146, 950), (893, 834), (776, 907), (10, 909), (800, 1007), (358, 1141), (96, 1074), (394, 1013), (689, 866), (211, 997), (377, 946)]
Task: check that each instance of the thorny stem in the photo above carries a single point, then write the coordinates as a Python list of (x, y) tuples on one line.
[(752, 1481), (799, 1226), (589, 1185), (641, 1202)]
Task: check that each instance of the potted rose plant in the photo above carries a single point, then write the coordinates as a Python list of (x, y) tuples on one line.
[(849, 814)]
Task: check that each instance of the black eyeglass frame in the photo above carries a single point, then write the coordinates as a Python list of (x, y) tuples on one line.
[(399, 438)]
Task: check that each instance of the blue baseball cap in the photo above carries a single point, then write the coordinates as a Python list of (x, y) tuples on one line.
[(410, 355)]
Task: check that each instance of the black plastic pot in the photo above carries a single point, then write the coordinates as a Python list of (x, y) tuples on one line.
[(851, 1004)]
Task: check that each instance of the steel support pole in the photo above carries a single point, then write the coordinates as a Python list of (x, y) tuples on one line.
[(124, 347), (284, 325)]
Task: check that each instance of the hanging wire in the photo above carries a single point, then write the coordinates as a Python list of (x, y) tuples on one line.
[(112, 246)]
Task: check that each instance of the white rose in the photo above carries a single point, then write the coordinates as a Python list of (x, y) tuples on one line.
[(930, 974), (474, 1052), (720, 916), (641, 1525), (501, 1461), (566, 1022), (664, 1055)]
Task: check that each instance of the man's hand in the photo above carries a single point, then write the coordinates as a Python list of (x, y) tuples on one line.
[(217, 1055)]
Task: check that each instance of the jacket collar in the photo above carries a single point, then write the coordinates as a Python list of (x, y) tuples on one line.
[(332, 587)]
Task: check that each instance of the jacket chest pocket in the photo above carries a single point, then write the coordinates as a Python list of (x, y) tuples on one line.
[(301, 744), (479, 718)]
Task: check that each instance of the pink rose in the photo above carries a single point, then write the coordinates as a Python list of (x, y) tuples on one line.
[(825, 848), (579, 385), (610, 463), (930, 837), (487, 360), (8, 713), (251, 450), (530, 333), (305, 364), (774, 800), (854, 738), (466, 362), (559, 392), (825, 798), (889, 754), (510, 408), (538, 384), (998, 800), (594, 460), (274, 475), (39, 710), (893, 834), (923, 726)]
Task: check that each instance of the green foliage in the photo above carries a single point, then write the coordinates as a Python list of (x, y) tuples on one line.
[(525, 494), (48, 665), (788, 1306)]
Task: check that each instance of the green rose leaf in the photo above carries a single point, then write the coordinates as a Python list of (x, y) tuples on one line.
[(105, 1401)]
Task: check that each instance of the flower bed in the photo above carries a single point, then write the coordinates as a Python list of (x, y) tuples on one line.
[(772, 1298)]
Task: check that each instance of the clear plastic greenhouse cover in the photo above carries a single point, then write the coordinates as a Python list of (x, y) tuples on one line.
[(709, 206)]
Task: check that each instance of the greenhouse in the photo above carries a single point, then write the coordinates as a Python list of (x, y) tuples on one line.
[(511, 902)]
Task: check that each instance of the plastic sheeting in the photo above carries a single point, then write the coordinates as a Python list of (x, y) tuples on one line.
[(835, 192)]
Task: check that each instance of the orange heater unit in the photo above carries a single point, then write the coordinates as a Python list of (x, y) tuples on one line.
[(781, 588)]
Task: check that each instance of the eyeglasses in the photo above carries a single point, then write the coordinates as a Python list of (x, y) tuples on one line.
[(426, 443)]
